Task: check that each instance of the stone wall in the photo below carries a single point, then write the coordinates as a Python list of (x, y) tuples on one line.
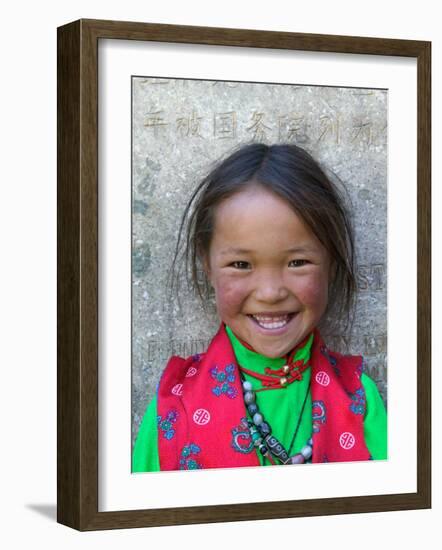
[(180, 127)]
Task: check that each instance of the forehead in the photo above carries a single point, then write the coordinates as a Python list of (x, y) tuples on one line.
[(255, 218)]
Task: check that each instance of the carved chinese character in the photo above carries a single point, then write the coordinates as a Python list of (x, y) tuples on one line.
[(258, 128), (224, 125), (190, 126), (154, 120), (293, 127), (329, 128), (362, 132)]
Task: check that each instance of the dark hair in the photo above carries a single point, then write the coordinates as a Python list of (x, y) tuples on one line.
[(293, 174)]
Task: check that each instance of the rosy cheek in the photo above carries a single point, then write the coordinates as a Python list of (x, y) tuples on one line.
[(313, 289), (228, 294)]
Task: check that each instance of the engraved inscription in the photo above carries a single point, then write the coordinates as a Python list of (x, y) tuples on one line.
[(329, 129), (224, 125), (154, 120), (161, 350), (293, 127), (362, 132), (326, 129), (258, 128), (371, 276), (189, 126)]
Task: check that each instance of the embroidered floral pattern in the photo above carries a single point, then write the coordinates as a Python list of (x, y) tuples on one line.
[(319, 415), (225, 378), (241, 439), (187, 460), (358, 404), (165, 424)]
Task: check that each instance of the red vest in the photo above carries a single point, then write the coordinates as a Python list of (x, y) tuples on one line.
[(200, 407)]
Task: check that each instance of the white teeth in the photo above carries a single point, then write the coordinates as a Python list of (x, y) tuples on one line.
[(268, 322), (270, 317)]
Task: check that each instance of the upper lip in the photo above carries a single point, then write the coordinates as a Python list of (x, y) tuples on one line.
[(272, 313)]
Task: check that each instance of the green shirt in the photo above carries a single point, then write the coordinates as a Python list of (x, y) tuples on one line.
[(280, 407)]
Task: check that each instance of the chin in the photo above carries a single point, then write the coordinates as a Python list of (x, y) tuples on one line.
[(271, 351)]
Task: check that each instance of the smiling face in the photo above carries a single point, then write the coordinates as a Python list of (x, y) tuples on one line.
[(269, 271)]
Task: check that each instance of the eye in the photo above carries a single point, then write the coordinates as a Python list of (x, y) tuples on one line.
[(240, 265), (298, 263)]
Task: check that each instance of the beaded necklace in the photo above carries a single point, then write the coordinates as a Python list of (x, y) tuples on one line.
[(261, 432), (274, 378)]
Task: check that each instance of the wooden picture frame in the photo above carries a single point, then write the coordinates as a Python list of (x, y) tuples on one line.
[(77, 225)]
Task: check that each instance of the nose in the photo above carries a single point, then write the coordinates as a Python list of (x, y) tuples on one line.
[(270, 287)]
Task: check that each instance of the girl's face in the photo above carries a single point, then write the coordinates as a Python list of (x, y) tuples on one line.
[(269, 271)]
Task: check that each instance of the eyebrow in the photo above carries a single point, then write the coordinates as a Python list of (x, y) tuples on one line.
[(293, 250), (300, 249), (233, 250)]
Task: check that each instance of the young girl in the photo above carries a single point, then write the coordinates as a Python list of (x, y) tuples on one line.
[(274, 240)]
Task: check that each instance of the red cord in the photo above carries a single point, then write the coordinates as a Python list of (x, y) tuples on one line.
[(274, 382)]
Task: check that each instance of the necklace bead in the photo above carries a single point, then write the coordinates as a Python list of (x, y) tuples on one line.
[(249, 397), (263, 449), (306, 452), (264, 428), (252, 408), (297, 459), (260, 430)]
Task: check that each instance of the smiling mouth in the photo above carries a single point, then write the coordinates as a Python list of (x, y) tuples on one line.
[(272, 322)]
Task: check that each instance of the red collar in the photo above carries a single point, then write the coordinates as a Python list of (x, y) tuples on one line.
[(279, 378)]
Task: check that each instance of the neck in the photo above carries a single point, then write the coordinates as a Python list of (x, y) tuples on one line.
[(249, 358)]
